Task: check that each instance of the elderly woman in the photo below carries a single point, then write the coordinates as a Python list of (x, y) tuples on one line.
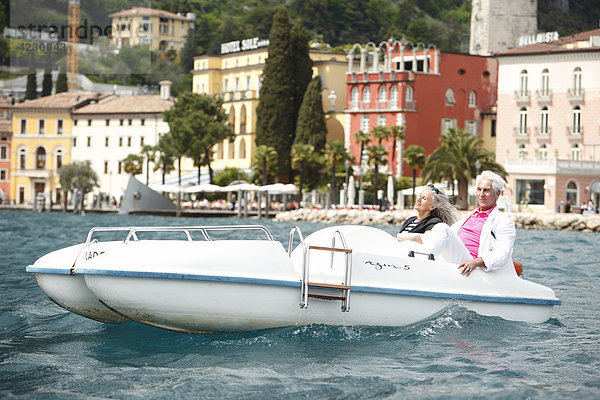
[(432, 207)]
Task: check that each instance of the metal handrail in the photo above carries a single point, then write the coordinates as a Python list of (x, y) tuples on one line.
[(133, 230), (291, 240)]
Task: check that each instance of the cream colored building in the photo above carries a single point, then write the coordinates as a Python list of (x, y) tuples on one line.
[(236, 76), (106, 132), (161, 30)]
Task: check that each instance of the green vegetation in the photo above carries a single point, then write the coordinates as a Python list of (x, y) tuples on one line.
[(197, 122), (283, 87), (460, 157), (415, 158), (77, 175)]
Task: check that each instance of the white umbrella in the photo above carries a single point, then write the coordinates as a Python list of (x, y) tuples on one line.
[(205, 187), (166, 188), (279, 188), (351, 191), (390, 190), (240, 186)]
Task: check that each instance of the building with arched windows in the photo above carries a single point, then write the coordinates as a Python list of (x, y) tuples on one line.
[(548, 128), (236, 76), (397, 83), (41, 144)]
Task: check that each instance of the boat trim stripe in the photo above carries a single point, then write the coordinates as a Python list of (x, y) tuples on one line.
[(365, 289), (45, 270)]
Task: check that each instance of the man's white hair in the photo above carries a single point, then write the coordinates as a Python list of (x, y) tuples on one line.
[(497, 181)]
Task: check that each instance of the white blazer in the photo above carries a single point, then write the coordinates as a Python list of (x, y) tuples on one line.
[(496, 241)]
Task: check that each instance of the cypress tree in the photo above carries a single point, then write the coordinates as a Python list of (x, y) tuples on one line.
[(47, 82), (302, 64), (275, 124), (61, 81), (31, 88), (189, 51), (311, 127)]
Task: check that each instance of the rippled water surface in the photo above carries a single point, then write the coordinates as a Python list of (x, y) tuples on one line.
[(49, 353)]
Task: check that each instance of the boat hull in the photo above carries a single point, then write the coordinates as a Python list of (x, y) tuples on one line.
[(209, 306), (53, 273)]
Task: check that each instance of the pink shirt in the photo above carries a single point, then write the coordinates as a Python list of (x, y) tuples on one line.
[(470, 232)]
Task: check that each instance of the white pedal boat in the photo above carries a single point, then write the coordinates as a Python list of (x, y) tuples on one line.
[(343, 275)]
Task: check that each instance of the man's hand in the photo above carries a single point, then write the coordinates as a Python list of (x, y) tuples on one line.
[(468, 266)]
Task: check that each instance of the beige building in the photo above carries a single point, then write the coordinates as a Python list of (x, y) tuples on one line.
[(236, 76), (161, 30)]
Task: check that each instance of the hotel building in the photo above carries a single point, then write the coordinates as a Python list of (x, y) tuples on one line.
[(236, 76), (548, 131)]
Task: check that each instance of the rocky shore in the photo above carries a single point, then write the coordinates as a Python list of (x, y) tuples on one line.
[(572, 222)]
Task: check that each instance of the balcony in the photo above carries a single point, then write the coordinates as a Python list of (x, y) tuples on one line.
[(544, 99), (239, 95), (33, 173), (410, 105), (551, 166), (521, 136), (522, 98), (541, 136), (576, 96), (575, 135)]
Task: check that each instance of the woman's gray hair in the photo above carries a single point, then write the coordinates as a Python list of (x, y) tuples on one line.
[(497, 181), (443, 209)]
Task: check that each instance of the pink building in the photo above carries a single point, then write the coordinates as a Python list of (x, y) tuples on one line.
[(548, 130), (420, 88)]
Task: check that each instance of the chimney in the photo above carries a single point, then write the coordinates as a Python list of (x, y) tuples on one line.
[(165, 90)]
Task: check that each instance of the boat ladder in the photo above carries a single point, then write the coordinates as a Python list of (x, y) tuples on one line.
[(341, 291)]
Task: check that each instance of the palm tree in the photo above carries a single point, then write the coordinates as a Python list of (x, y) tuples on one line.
[(396, 132), (264, 163), (149, 152), (415, 158), (460, 157), (336, 153), (301, 154), (363, 138), (377, 156)]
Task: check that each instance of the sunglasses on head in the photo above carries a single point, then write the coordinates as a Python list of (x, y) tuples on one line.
[(433, 188)]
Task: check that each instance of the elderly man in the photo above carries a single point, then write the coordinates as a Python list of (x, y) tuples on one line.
[(483, 239), (487, 233)]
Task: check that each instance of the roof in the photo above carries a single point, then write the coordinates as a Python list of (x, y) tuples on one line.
[(578, 42), (60, 101), (151, 12), (127, 105)]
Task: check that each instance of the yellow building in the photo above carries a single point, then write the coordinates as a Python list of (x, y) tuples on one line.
[(488, 129), (236, 76), (41, 144), (161, 30)]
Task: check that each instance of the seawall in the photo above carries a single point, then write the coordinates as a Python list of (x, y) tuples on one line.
[(572, 222)]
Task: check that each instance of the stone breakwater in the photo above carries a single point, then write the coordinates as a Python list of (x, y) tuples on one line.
[(572, 222)]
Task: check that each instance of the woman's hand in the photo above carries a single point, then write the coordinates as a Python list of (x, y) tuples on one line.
[(401, 237)]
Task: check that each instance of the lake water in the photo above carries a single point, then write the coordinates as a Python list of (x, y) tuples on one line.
[(49, 353)]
